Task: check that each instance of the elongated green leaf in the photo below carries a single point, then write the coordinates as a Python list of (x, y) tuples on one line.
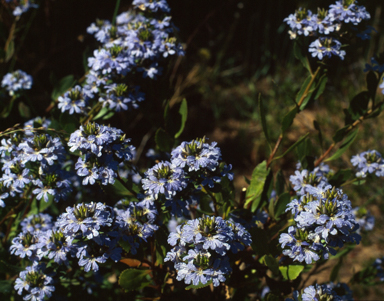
[(264, 121), (316, 125), (280, 182), (6, 286), (259, 241), (255, 189), (299, 55), (133, 279), (308, 91), (288, 120), (358, 107), (320, 87), (183, 111), (348, 141), (62, 86), (281, 204), (9, 51), (291, 272), (335, 270), (271, 263), (163, 140), (340, 133), (372, 82), (200, 285), (298, 142), (101, 113)]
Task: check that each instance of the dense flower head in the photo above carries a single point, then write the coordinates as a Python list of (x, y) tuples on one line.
[(164, 179), (300, 22), (34, 284), (347, 11), (379, 266), (323, 220), (119, 97), (325, 47), (38, 122), (201, 246), (368, 162), (317, 292), (102, 149), (303, 181), (135, 222), (73, 101), (37, 222), (21, 6), (16, 81), (364, 218), (154, 6)]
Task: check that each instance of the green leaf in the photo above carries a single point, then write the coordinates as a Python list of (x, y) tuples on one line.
[(320, 87), (101, 113), (200, 285), (125, 245), (6, 267), (303, 90), (6, 286), (288, 119), (163, 140), (344, 146), (62, 86), (340, 133), (372, 82), (335, 270), (298, 142), (271, 263), (259, 241), (299, 55), (340, 177), (280, 182), (316, 125), (264, 122), (272, 297), (255, 189), (24, 110), (358, 107), (291, 272), (9, 51), (183, 111), (132, 279), (281, 204), (161, 236)]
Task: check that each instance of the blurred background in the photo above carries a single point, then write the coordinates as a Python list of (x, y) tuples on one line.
[(235, 51)]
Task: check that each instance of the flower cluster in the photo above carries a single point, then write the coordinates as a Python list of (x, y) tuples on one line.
[(379, 266), (200, 249), (34, 283), (327, 23), (136, 44), (16, 81), (368, 162), (338, 292), (21, 6), (193, 165), (90, 232), (102, 148), (323, 221), (364, 218), (35, 160)]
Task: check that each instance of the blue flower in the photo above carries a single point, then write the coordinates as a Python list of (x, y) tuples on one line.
[(16, 81), (325, 47), (347, 11), (74, 101)]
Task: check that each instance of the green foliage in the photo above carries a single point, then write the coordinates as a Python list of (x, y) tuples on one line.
[(291, 272), (134, 279)]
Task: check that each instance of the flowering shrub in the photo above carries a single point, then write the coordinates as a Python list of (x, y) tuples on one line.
[(82, 213)]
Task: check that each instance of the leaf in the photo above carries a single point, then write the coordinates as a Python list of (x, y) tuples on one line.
[(298, 142), (259, 241), (288, 119), (125, 245), (62, 86), (6, 267), (9, 51), (264, 121), (340, 177), (200, 285), (291, 272), (358, 107), (271, 263), (183, 111), (340, 133), (335, 270), (280, 182), (132, 279), (24, 110), (163, 140), (372, 82), (344, 146), (299, 55), (316, 125), (6, 286), (320, 87), (161, 236), (281, 204), (101, 113), (255, 189), (303, 90)]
